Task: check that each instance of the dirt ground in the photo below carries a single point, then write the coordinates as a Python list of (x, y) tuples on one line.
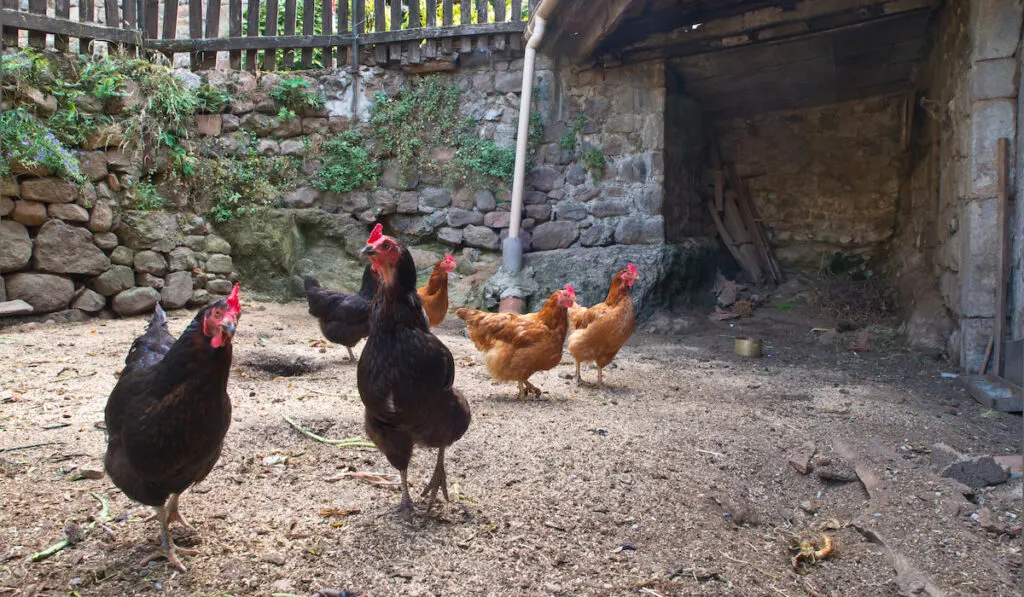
[(675, 480)]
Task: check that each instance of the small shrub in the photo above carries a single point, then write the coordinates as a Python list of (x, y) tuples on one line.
[(242, 183), (285, 115), (483, 158), (568, 140), (27, 141), (595, 163), (346, 165), (294, 93), (144, 196), (211, 100)]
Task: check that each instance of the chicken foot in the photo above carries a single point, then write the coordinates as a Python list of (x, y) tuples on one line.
[(527, 388), (405, 508), (439, 480), (173, 515), (167, 547), (351, 355), (600, 376)]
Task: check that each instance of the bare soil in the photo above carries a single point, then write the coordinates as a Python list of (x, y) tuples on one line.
[(675, 480)]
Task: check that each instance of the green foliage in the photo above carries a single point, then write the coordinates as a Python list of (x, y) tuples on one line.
[(568, 140), (481, 157), (346, 165), (24, 67), (536, 127), (595, 163), (143, 196), (243, 183), (211, 99), (294, 93), (27, 141), (286, 115)]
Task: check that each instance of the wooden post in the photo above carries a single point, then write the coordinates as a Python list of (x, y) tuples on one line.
[(395, 50), (252, 29), (430, 48), (448, 18), (37, 39), (288, 56), (130, 10), (343, 28), (62, 8), (466, 43), (327, 18), (1002, 173), (170, 29), (85, 15), (212, 31), (499, 17), (113, 19), (152, 21), (412, 48), (515, 41), (235, 30), (380, 24), (10, 34), (195, 30), (308, 16), (270, 55)]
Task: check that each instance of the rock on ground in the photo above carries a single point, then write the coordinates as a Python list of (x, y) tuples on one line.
[(15, 246), (45, 292), (135, 301), (177, 290), (64, 249)]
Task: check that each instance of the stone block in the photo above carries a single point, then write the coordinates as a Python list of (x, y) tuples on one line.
[(136, 301), (291, 147), (315, 126), (435, 198), (540, 212), (480, 237), (268, 147), (508, 82), (484, 201), (603, 208), (15, 308), (498, 219), (230, 123), (977, 472), (598, 235), (101, 216), (93, 165), (148, 280), (302, 197), (69, 212), (177, 290), (215, 244), (980, 233), (995, 28), (150, 262), (15, 246), (570, 210), (219, 264), (544, 178), (45, 292), (209, 125), (630, 231), (48, 190), (154, 230), (458, 218), (63, 249), (408, 203), (122, 256), (993, 79), (450, 236), (113, 281), (990, 120), (104, 240), (554, 235), (219, 286), (286, 128)]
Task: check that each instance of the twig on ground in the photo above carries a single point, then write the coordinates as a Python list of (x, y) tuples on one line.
[(29, 446), (352, 442), (910, 580), (651, 591), (56, 547), (64, 379), (56, 426), (710, 452), (729, 557)]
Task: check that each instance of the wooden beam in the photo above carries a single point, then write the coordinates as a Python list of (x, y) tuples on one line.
[(849, 19), (602, 18), (32, 22), (311, 41), (1003, 274)]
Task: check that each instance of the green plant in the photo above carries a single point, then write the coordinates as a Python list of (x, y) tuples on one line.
[(242, 183), (568, 140), (346, 165), (294, 93), (483, 157), (595, 163), (211, 100), (286, 115), (27, 142), (144, 196)]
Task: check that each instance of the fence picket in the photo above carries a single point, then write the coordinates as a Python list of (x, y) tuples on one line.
[(308, 14), (37, 39), (288, 57), (430, 47), (448, 20), (212, 31), (270, 55), (342, 29), (85, 15), (252, 29), (152, 21), (395, 50), (195, 30), (235, 30), (379, 24), (131, 8), (327, 20), (466, 43), (62, 9)]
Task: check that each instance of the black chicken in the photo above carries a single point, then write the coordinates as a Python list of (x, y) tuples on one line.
[(344, 316), (405, 373), (169, 412)]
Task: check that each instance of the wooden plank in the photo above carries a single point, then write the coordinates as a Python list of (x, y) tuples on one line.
[(499, 12), (395, 50), (24, 20), (270, 31), (517, 11), (288, 58), (252, 29), (37, 39), (308, 15), (430, 47), (152, 20), (170, 28), (85, 15), (10, 34), (448, 19), (62, 10), (359, 16), (130, 12), (343, 16), (195, 30), (312, 41), (466, 43), (742, 235), (235, 30), (327, 17), (727, 239), (1003, 273), (414, 49), (112, 17), (380, 24), (482, 15), (212, 30), (752, 225)]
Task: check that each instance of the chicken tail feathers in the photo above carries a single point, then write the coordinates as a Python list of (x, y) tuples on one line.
[(159, 318)]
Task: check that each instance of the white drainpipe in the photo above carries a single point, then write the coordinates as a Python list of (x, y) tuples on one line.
[(512, 248)]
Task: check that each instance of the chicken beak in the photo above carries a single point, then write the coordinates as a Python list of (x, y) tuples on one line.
[(368, 250), (228, 328)]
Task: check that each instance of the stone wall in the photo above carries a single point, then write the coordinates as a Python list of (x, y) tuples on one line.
[(65, 248), (685, 155), (824, 179), (948, 221)]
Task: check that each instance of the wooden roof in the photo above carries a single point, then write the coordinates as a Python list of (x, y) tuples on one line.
[(748, 56)]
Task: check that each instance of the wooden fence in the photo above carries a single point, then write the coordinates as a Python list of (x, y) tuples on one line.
[(336, 31)]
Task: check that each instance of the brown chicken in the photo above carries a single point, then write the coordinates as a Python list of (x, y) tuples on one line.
[(600, 331), (169, 412), (434, 295), (405, 373), (517, 346)]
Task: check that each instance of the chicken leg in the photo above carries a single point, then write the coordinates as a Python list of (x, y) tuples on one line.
[(438, 481), (405, 508), (167, 547), (351, 355), (600, 379), (579, 380), (173, 515)]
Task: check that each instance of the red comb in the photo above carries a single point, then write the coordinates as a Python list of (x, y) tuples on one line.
[(378, 231), (233, 303), (631, 268), (569, 289), (448, 257)]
